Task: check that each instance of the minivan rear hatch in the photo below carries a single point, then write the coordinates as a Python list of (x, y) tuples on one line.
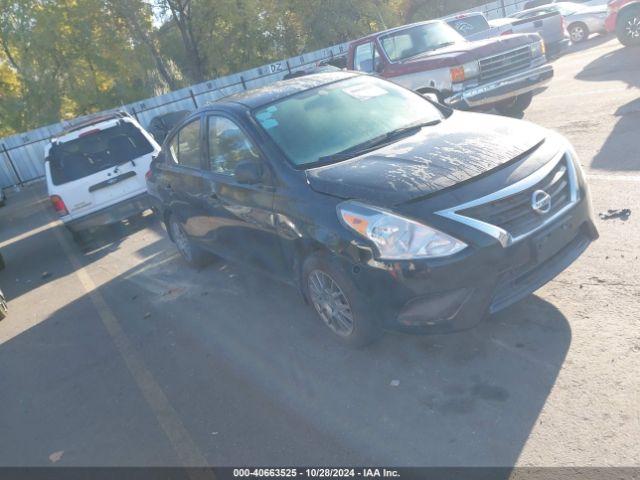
[(100, 166)]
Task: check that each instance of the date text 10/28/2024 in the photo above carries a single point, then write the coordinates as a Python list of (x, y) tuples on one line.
[(315, 473)]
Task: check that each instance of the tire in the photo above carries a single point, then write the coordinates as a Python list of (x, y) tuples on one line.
[(3, 307), (338, 303), (79, 236), (578, 32), (192, 254), (628, 28), (515, 106)]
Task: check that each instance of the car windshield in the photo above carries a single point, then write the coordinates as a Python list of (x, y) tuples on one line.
[(469, 25), (412, 41), (96, 151), (339, 116)]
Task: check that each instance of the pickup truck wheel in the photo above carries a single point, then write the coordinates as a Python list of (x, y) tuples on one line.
[(516, 106), (192, 254), (338, 303), (579, 32), (628, 28)]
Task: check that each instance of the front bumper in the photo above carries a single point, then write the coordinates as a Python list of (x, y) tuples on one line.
[(111, 214), (456, 294), (503, 89)]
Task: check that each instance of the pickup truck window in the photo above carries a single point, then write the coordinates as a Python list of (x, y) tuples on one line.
[(469, 25), (339, 116), (412, 41), (366, 57)]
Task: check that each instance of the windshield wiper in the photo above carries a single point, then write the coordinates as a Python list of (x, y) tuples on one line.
[(378, 142)]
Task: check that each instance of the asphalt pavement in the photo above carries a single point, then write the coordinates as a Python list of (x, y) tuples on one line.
[(117, 353)]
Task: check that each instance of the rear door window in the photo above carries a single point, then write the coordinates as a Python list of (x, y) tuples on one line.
[(185, 145), (96, 151)]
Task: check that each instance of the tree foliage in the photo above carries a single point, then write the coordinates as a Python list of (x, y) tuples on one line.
[(63, 58)]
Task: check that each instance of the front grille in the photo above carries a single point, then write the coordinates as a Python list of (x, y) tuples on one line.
[(514, 213), (505, 63)]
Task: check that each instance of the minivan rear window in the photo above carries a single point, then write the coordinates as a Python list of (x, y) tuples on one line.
[(97, 151)]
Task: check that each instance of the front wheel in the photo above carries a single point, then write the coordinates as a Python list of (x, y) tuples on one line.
[(340, 306), (515, 106), (628, 28), (578, 32), (192, 254)]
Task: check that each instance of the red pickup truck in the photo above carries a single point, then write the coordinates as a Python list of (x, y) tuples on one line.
[(431, 57), (624, 20)]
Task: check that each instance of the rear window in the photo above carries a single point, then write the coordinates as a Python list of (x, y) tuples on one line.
[(470, 25), (97, 151)]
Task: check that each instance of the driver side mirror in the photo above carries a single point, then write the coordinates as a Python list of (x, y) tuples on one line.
[(248, 172)]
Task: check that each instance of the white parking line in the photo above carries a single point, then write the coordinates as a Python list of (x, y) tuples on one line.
[(186, 449), (614, 178)]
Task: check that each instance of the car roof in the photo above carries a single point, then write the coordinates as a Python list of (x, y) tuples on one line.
[(284, 88)]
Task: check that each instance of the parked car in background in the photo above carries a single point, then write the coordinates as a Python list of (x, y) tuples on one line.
[(431, 57), (161, 125), (385, 209), (624, 20), (582, 21), (95, 171), (475, 26), (548, 23)]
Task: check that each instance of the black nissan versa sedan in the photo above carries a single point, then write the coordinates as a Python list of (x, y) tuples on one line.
[(385, 209)]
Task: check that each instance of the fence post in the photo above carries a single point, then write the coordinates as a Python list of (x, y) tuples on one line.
[(504, 8), (244, 85), (135, 114), (193, 98), (13, 167)]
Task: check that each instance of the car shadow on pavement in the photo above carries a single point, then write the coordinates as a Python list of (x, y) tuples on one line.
[(591, 42), (242, 356), (619, 152), (28, 235)]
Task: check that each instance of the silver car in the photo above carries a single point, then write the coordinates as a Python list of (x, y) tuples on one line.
[(582, 20)]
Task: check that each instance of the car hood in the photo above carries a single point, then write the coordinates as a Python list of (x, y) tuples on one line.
[(462, 147)]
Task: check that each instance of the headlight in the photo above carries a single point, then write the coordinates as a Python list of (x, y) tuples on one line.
[(465, 72), (396, 237), (538, 49)]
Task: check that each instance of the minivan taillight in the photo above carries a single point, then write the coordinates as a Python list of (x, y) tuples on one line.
[(58, 205), (147, 175)]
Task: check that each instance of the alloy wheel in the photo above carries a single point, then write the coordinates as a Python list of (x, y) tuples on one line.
[(577, 34), (633, 27), (331, 303)]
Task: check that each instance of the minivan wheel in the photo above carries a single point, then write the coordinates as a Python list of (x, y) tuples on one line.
[(192, 254), (628, 28), (515, 106), (338, 303)]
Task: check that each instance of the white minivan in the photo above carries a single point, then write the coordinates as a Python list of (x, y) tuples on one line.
[(96, 171)]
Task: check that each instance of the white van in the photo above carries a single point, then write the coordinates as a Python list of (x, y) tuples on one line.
[(96, 171)]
